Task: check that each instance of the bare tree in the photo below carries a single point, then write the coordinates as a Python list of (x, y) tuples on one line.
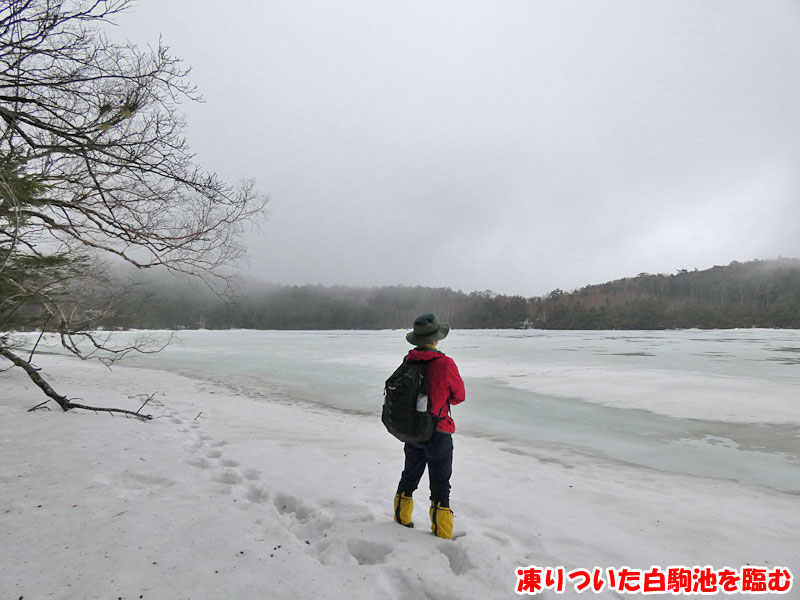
[(93, 161)]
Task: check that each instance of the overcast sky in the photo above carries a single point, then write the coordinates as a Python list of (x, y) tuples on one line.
[(518, 146)]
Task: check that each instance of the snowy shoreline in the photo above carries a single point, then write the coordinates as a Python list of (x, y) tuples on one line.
[(282, 499)]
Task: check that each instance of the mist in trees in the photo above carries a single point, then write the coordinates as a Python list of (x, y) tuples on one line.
[(753, 294), (168, 302)]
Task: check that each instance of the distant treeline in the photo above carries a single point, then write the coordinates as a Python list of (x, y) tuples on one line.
[(752, 294)]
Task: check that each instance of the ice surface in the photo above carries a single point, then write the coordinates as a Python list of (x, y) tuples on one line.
[(656, 399), (228, 494)]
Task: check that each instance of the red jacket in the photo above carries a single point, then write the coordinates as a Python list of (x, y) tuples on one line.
[(445, 385)]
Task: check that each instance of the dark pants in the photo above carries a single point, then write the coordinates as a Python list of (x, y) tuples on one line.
[(437, 454)]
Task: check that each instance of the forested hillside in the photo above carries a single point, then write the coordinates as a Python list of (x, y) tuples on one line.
[(752, 294)]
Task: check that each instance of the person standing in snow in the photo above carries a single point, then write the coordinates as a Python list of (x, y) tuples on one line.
[(445, 388)]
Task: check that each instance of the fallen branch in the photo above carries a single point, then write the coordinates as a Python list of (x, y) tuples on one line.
[(147, 399), (198, 414), (64, 402), (40, 406), (122, 411)]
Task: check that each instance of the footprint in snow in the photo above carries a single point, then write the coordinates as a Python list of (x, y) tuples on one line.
[(228, 477), (289, 505), (256, 494), (403, 585), (457, 556), (194, 445), (368, 553), (251, 474)]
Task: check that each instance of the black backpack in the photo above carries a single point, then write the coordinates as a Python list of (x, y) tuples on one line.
[(400, 415)]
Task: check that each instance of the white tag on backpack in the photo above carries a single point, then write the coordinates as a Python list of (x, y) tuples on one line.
[(422, 403)]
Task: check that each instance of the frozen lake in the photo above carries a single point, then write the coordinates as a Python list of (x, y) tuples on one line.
[(707, 403)]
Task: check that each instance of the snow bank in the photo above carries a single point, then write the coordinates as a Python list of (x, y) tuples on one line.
[(224, 495)]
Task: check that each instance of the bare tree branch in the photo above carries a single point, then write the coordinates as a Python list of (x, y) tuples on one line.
[(94, 162)]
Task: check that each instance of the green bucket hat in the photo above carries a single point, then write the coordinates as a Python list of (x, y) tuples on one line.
[(427, 329)]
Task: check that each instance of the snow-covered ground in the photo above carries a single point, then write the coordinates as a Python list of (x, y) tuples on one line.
[(228, 496)]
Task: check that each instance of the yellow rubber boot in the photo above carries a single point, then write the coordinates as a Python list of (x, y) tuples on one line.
[(403, 507), (441, 521)]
